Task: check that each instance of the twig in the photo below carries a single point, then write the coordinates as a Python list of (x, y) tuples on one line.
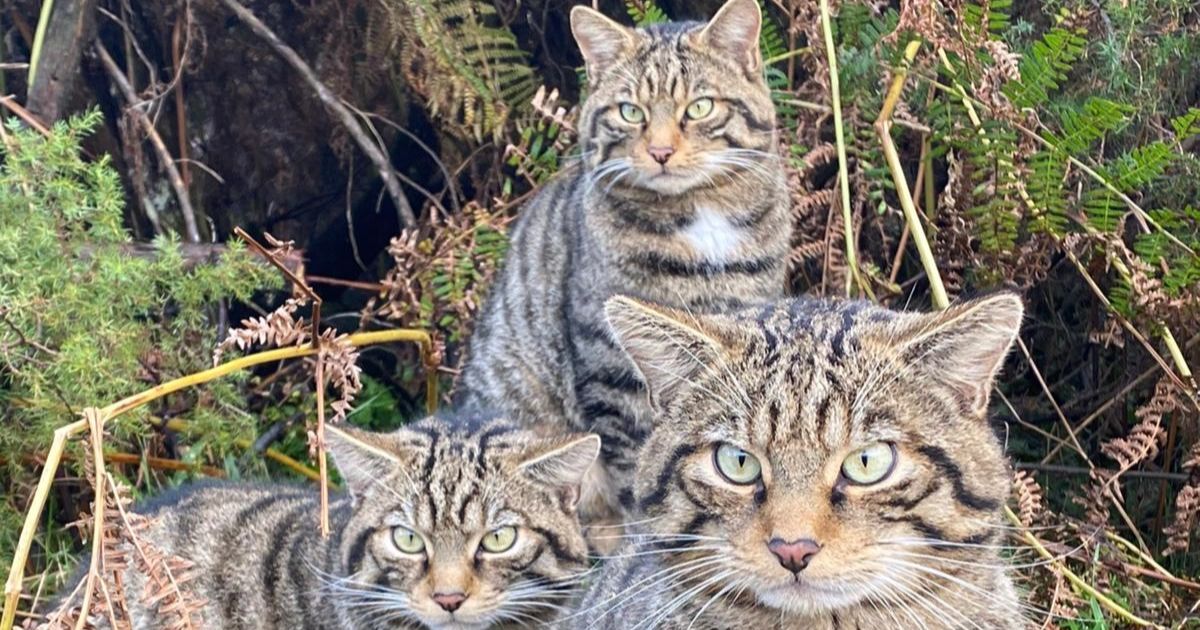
[(164, 156), (1080, 470), (883, 126), (331, 102), (1079, 583), (95, 423), (840, 137), (10, 103), (321, 465)]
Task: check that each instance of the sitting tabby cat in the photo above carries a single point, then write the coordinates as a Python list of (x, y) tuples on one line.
[(816, 465), (444, 528), (679, 199)]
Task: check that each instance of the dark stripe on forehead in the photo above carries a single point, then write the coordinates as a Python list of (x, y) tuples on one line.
[(664, 476), (667, 265), (838, 343), (485, 439), (358, 551), (951, 471)]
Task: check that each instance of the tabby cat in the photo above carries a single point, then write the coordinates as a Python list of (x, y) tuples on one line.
[(464, 525), (815, 465), (678, 198)]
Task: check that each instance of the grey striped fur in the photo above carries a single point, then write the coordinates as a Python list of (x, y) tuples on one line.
[(260, 561), (800, 386), (708, 230)]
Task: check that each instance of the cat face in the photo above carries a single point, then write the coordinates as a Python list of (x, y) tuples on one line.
[(459, 529), (819, 455), (675, 106)]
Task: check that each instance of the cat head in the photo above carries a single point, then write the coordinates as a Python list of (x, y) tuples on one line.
[(821, 454), (457, 527), (676, 106)]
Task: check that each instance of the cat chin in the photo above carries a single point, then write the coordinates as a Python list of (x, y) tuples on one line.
[(456, 624), (809, 598), (670, 184)]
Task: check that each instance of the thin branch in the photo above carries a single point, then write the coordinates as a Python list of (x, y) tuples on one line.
[(335, 106), (164, 155)]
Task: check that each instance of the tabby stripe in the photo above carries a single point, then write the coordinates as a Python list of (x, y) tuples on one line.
[(909, 504), (270, 564), (629, 216), (951, 470), (486, 437), (654, 261), (838, 344), (556, 546), (616, 378), (358, 551), (230, 606), (752, 218), (586, 331), (296, 576), (753, 122), (664, 476)]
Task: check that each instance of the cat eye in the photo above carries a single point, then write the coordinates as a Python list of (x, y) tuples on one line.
[(736, 465), (632, 113), (699, 108), (870, 464), (407, 540), (499, 540)]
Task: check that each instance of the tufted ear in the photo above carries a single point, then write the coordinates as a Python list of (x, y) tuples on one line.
[(362, 457), (601, 40), (669, 348), (963, 346), (733, 33), (561, 463)]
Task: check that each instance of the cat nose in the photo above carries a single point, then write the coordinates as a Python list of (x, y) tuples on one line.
[(660, 154), (795, 555), (449, 601)]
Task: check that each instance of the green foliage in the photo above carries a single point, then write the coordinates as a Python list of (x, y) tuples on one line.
[(1045, 67), (83, 320), (645, 12), (476, 75)]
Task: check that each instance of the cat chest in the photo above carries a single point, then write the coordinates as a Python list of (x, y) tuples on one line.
[(712, 236)]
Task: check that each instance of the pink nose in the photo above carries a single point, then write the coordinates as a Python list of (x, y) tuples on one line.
[(449, 601), (795, 555), (661, 154)]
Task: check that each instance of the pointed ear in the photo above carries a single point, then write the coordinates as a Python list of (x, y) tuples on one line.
[(733, 33), (965, 345), (667, 349), (561, 462), (601, 40), (362, 457)]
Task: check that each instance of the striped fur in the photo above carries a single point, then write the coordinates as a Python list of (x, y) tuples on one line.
[(261, 562), (707, 230), (801, 385)]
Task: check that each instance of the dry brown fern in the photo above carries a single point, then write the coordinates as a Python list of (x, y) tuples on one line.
[(1029, 497), (1187, 507)]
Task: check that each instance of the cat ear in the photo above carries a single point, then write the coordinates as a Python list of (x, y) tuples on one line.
[(562, 463), (965, 345), (601, 40), (362, 457), (667, 349), (733, 32)]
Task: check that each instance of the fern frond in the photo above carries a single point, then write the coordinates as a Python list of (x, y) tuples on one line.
[(645, 12), (1187, 125), (1045, 66)]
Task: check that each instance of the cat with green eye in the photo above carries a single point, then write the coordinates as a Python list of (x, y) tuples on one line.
[(814, 465), (447, 524)]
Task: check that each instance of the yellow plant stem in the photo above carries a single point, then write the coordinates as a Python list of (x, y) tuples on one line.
[(840, 138), (39, 38), (95, 424), (1077, 581), (13, 586), (883, 125)]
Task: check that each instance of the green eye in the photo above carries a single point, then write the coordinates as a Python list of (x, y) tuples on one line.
[(736, 465), (700, 108), (632, 113), (407, 540), (499, 540), (870, 464)]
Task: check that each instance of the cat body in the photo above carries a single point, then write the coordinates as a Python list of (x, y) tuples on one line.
[(815, 464), (679, 199), (447, 525)]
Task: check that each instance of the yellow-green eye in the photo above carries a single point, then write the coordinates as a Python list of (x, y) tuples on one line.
[(632, 113), (499, 540), (737, 465), (870, 464), (407, 540), (699, 108)]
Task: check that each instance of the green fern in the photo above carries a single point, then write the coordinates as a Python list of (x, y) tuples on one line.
[(479, 75), (645, 12), (1187, 125), (1045, 67)]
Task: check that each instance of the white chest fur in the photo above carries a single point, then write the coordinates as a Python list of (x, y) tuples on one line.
[(712, 236)]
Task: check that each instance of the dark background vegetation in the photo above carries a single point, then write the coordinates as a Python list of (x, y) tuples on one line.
[(1053, 150)]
